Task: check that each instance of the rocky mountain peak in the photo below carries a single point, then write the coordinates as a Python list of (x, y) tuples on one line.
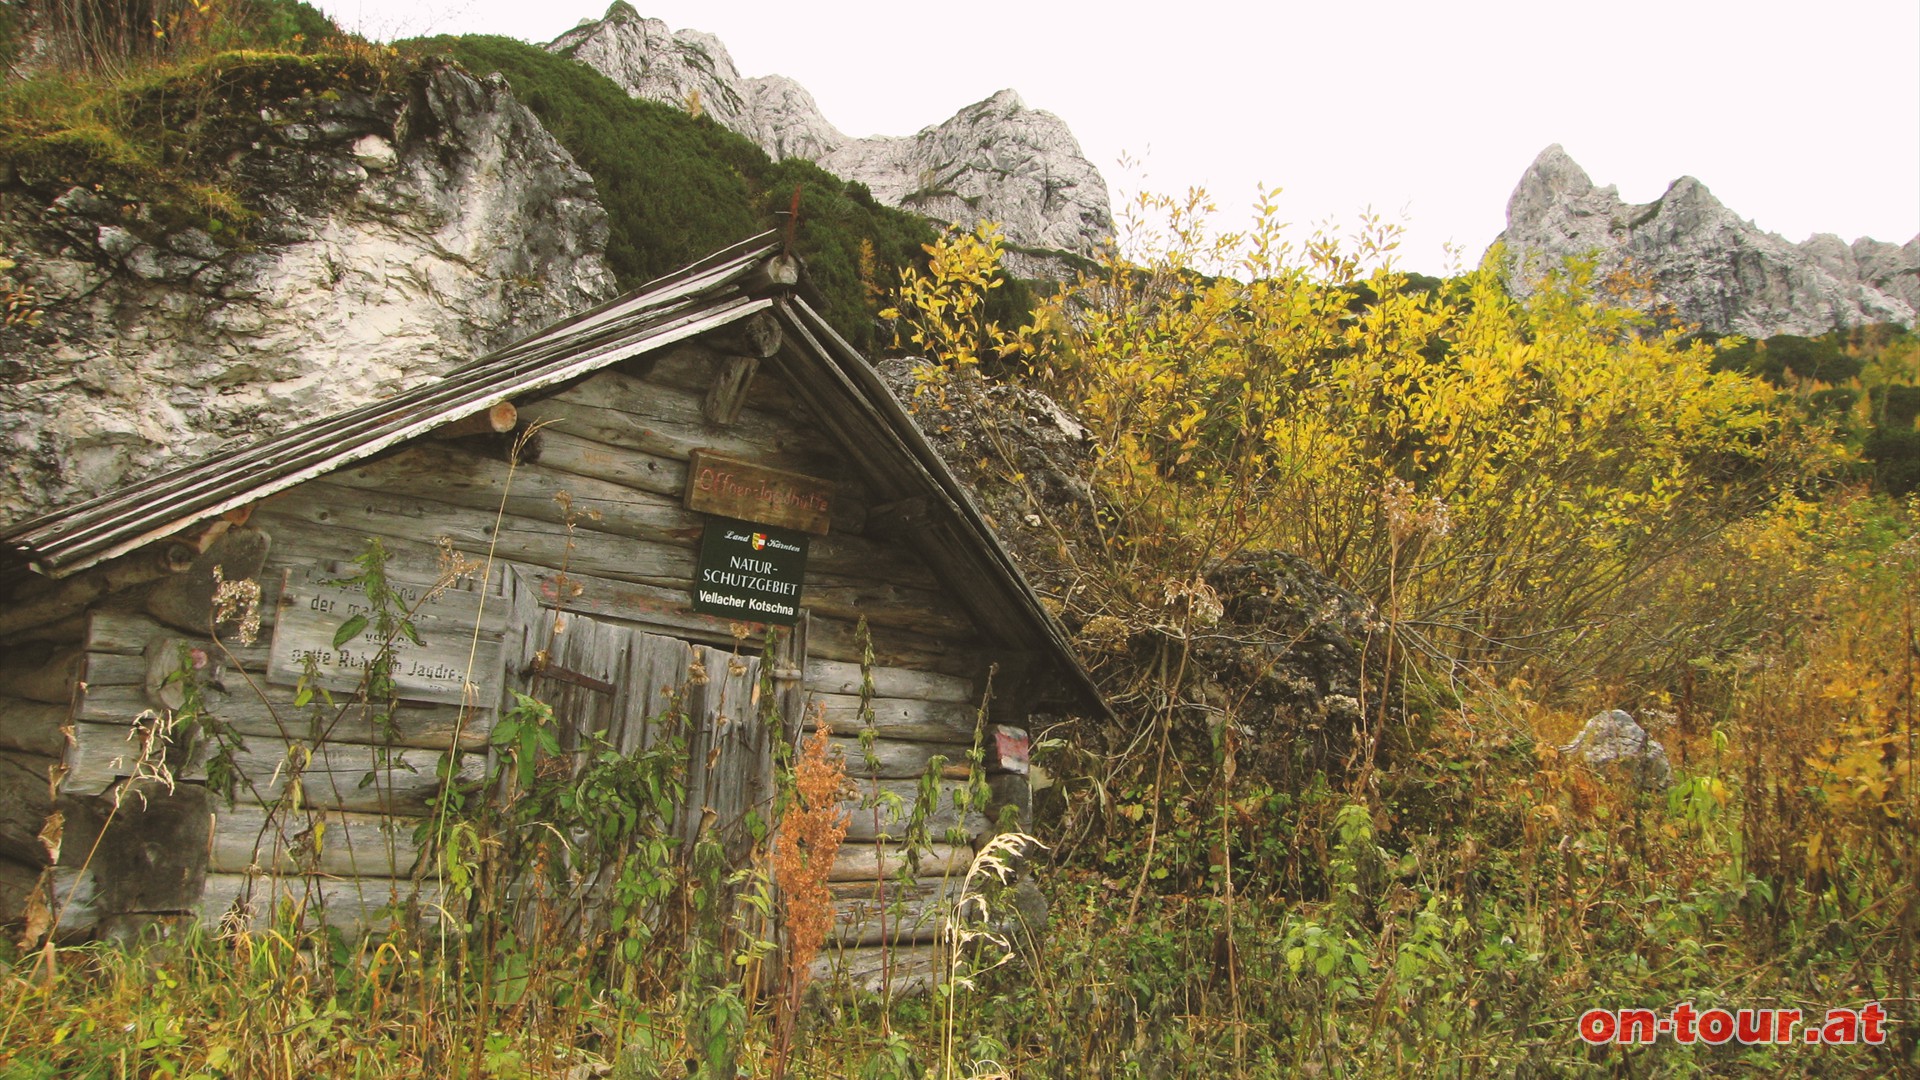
[(1553, 173), (995, 160), (1715, 269)]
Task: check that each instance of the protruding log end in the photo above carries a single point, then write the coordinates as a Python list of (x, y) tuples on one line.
[(496, 420)]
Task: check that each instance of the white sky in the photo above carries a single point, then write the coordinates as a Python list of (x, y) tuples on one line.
[(1802, 116)]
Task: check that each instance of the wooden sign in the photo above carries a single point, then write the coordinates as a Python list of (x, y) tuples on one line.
[(314, 612), (717, 484), (750, 572)]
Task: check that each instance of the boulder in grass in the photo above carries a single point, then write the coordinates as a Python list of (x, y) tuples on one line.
[(1613, 739)]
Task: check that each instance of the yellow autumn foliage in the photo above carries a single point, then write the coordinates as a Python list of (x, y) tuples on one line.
[(1245, 392)]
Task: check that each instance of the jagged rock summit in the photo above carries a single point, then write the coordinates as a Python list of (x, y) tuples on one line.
[(1717, 270), (995, 160)]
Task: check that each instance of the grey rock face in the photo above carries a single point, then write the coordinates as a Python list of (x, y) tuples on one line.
[(403, 234), (1715, 269), (995, 160)]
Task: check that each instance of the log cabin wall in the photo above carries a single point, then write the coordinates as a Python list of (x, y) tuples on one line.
[(589, 521)]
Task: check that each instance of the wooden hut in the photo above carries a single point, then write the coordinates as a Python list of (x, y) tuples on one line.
[(705, 453)]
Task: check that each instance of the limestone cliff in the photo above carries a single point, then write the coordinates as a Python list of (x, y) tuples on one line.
[(401, 231), (1716, 270), (996, 160)]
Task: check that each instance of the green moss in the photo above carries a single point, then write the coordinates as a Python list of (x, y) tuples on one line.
[(162, 138)]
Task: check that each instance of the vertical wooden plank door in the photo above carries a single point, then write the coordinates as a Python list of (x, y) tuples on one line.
[(614, 686)]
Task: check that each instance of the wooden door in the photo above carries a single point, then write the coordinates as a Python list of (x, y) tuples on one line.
[(615, 685)]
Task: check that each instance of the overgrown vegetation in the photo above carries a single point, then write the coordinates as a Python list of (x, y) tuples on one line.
[(1555, 508), (1551, 506)]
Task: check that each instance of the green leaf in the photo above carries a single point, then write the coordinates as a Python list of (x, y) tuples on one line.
[(349, 630)]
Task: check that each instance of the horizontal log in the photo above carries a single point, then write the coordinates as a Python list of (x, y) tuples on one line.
[(898, 969), (128, 633), (839, 639), (590, 420), (248, 838), (421, 522), (889, 820), (663, 606), (110, 630), (892, 759), (66, 598), (121, 669), (627, 468), (949, 722), (17, 882), (639, 471), (651, 606), (299, 544), (26, 799), (847, 577), (888, 607), (330, 776), (537, 493), (909, 915), (844, 677), (33, 727), (269, 710), (350, 903), (857, 864), (902, 519), (671, 409), (470, 529), (42, 674), (450, 475), (337, 524)]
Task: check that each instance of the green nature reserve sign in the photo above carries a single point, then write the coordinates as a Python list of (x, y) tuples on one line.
[(750, 572)]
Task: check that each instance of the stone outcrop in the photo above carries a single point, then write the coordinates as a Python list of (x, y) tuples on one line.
[(996, 160), (401, 232), (1716, 270)]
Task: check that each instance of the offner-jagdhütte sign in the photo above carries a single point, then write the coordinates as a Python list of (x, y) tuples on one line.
[(750, 572), (315, 610), (717, 484)]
